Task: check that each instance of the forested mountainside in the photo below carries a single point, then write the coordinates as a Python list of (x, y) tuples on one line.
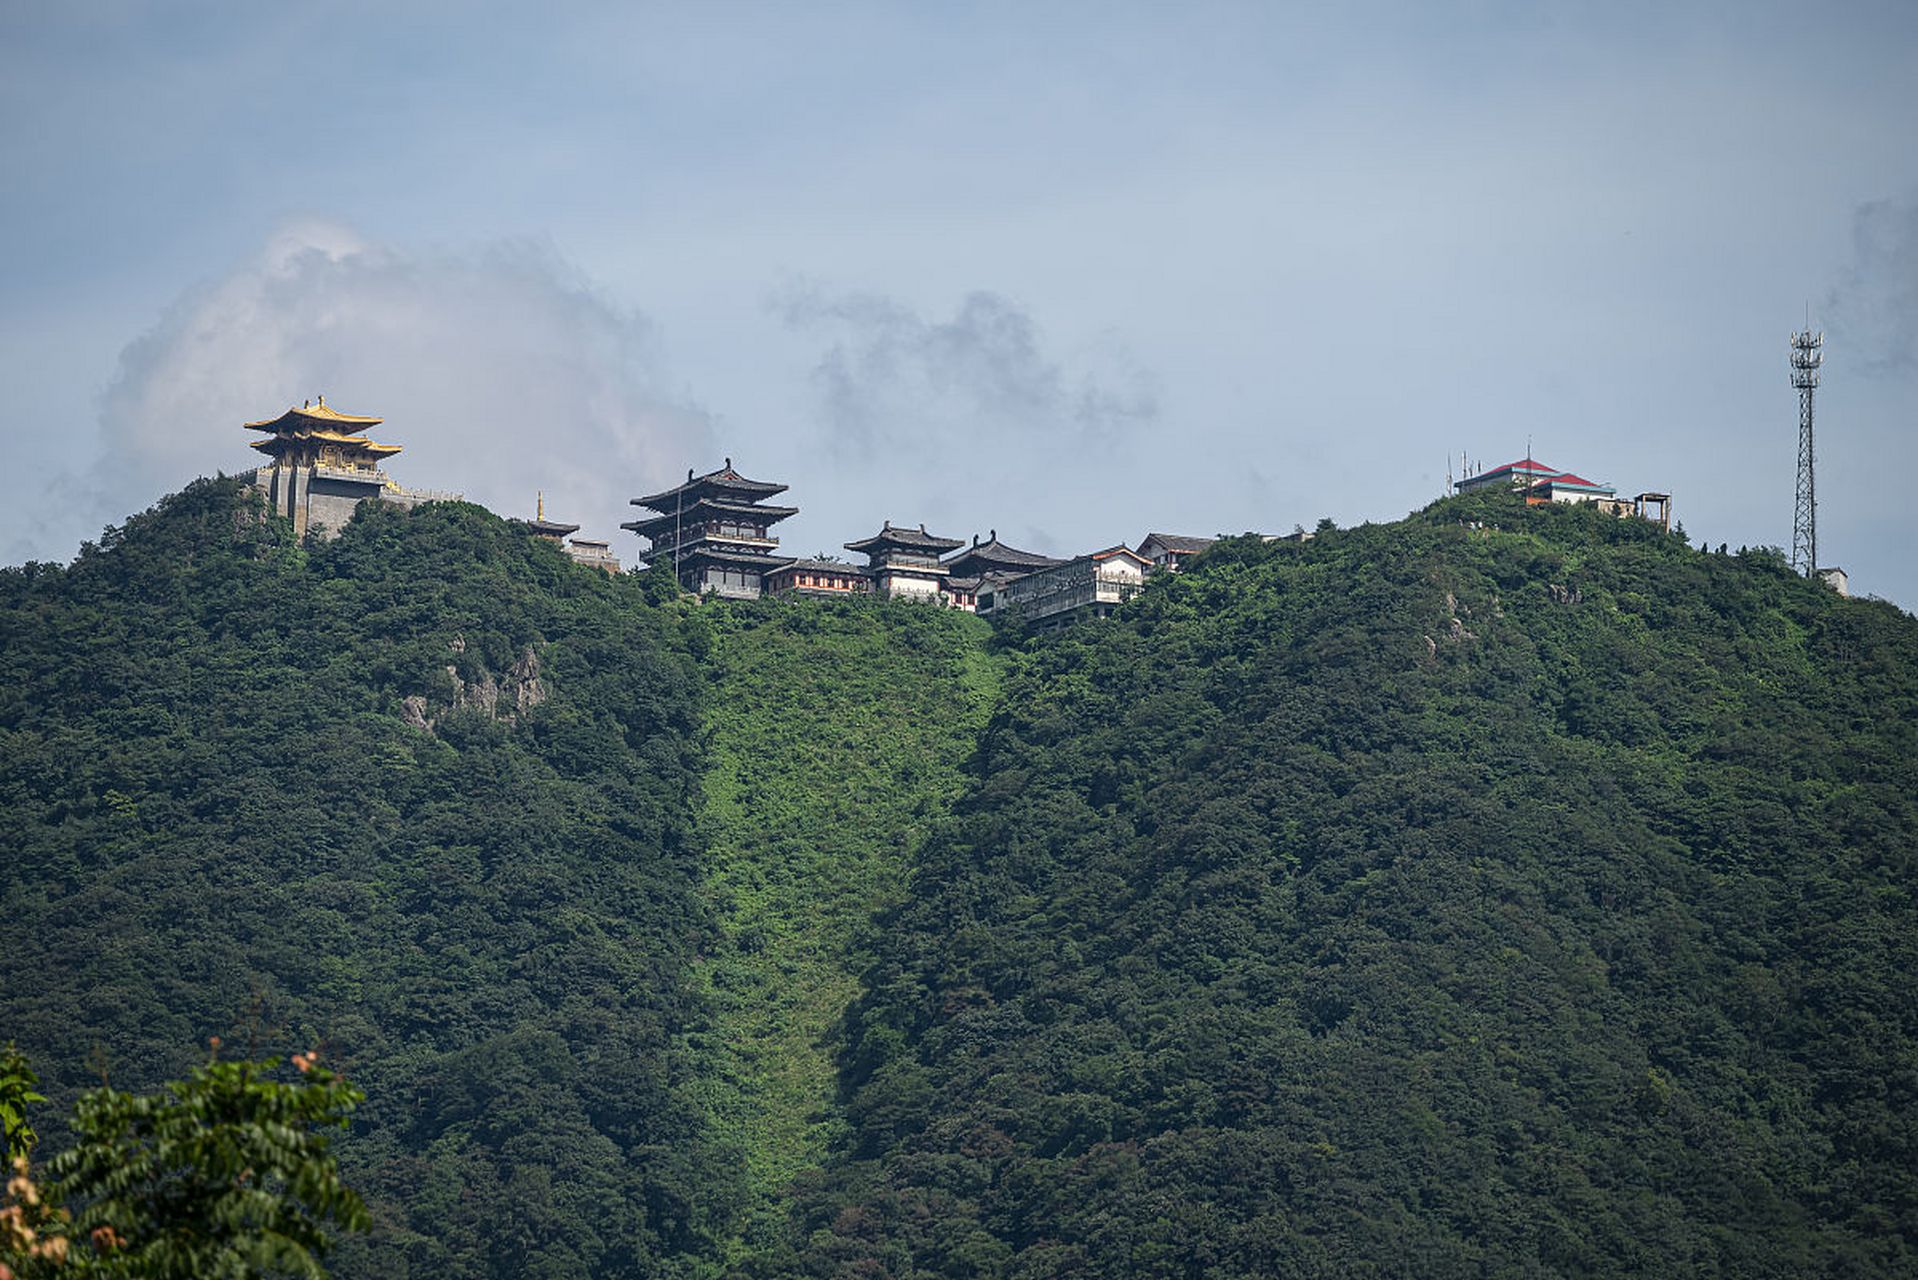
[(1501, 891), (221, 822)]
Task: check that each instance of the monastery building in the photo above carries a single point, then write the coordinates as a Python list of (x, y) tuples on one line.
[(323, 466), (717, 531)]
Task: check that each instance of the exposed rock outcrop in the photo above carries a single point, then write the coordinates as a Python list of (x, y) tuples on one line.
[(505, 698)]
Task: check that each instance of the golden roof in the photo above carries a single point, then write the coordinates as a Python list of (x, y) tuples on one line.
[(358, 442), (351, 444), (360, 446), (309, 418)]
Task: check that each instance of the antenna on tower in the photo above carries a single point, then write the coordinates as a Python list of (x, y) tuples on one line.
[(1807, 354)]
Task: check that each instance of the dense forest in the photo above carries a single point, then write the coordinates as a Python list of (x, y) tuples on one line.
[(221, 822), (1500, 891)]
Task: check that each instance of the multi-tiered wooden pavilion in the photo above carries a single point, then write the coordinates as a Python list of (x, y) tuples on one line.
[(905, 562), (716, 529), (323, 466)]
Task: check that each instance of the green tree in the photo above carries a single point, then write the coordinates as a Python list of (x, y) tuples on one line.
[(17, 1083), (226, 1174)]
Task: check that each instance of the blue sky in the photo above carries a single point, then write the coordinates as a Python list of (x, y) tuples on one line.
[(1071, 272)]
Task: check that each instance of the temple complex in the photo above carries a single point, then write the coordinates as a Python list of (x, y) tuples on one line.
[(323, 466), (904, 563), (716, 530)]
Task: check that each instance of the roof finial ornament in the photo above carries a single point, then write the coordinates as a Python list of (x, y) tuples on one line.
[(306, 404), (540, 510), (729, 464), (322, 399), (689, 475), (992, 534)]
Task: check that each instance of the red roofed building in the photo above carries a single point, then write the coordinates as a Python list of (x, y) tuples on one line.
[(1539, 482)]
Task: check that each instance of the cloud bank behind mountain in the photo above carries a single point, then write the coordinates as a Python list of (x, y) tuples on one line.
[(500, 370)]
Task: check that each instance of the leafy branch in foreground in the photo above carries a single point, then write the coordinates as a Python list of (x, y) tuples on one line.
[(17, 1092), (223, 1174)]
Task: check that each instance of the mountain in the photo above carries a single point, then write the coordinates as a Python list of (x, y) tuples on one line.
[(1500, 891), (222, 823), (1503, 891)]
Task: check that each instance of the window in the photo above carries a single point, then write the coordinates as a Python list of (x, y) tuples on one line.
[(731, 580)]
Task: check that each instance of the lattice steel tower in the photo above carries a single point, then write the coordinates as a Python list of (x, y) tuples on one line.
[(1807, 354)]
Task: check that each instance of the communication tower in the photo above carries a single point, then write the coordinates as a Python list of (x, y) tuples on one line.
[(1807, 354)]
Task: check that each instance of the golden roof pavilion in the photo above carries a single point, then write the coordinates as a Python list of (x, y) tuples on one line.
[(323, 466), (317, 435)]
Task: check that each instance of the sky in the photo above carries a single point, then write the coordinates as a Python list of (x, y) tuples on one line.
[(1067, 272)]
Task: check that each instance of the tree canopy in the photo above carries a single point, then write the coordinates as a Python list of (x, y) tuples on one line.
[(1500, 891)]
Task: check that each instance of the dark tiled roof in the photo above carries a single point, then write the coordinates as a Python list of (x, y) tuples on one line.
[(1177, 542), (713, 555), (706, 509), (550, 528), (724, 480), (983, 557), (910, 539)]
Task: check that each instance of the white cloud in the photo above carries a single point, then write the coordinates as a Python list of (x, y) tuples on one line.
[(891, 376), (1875, 309), (500, 370), (971, 421)]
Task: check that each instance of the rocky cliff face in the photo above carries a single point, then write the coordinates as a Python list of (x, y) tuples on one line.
[(507, 697)]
